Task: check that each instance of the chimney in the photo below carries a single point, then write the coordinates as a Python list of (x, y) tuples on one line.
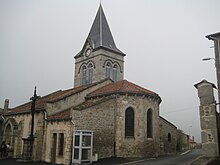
[(6, 105)]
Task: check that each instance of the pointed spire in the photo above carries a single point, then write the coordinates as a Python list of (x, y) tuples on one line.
[(100, 33)]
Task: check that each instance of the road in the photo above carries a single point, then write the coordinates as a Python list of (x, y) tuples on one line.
[(180, 159)]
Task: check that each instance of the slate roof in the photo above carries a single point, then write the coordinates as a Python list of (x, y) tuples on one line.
[(100, 34), (122, 87)]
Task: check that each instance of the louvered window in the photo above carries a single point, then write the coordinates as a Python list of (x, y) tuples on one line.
[(84, 75), (90, 73), (115, 73), (108, 70)]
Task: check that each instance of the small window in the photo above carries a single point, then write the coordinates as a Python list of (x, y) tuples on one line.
[(129, 122), (169, 137), (90, 73), (61, 144), (149, 124), (115, 73), (108, 70)]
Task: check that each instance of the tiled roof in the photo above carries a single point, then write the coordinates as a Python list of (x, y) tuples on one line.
[(68, 92), (91, 102), (51, 98), (40, 104), (64, 115), (122, 87)]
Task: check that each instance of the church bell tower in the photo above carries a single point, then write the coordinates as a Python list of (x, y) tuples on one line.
[(99, 58)]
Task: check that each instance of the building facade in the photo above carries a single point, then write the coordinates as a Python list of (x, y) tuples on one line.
[(123, 116)]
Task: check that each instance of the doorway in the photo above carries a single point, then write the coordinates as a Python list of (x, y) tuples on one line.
[(53, 148)]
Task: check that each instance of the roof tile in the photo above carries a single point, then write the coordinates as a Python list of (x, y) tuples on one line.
[(64, 115), (123, 86)]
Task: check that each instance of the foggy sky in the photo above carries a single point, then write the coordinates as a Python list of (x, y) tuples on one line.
[(164, 42)]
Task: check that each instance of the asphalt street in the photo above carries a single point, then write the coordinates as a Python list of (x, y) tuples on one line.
[(179, 159)]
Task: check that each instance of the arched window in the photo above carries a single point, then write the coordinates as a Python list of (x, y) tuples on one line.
[(115, 73), (149, 124), (129, 122), (84, 75), (8, 133), (90, 73), (108, 70), (169, 137)]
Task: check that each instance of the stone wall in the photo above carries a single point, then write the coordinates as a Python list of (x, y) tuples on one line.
[(139, 145), (98, 58), (101, 120), (58, 127), (168, 137), (72, 100), (22, 122), (208, 119)]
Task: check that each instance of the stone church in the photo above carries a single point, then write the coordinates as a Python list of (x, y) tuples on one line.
[(122, 116)]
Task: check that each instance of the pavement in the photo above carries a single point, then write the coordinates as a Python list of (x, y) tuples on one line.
[(110, 161)]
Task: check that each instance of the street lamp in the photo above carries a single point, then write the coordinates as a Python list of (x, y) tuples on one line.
[(216, 39), (207, 59)]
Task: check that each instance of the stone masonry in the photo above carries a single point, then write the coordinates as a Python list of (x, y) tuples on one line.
[(208, 119)]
